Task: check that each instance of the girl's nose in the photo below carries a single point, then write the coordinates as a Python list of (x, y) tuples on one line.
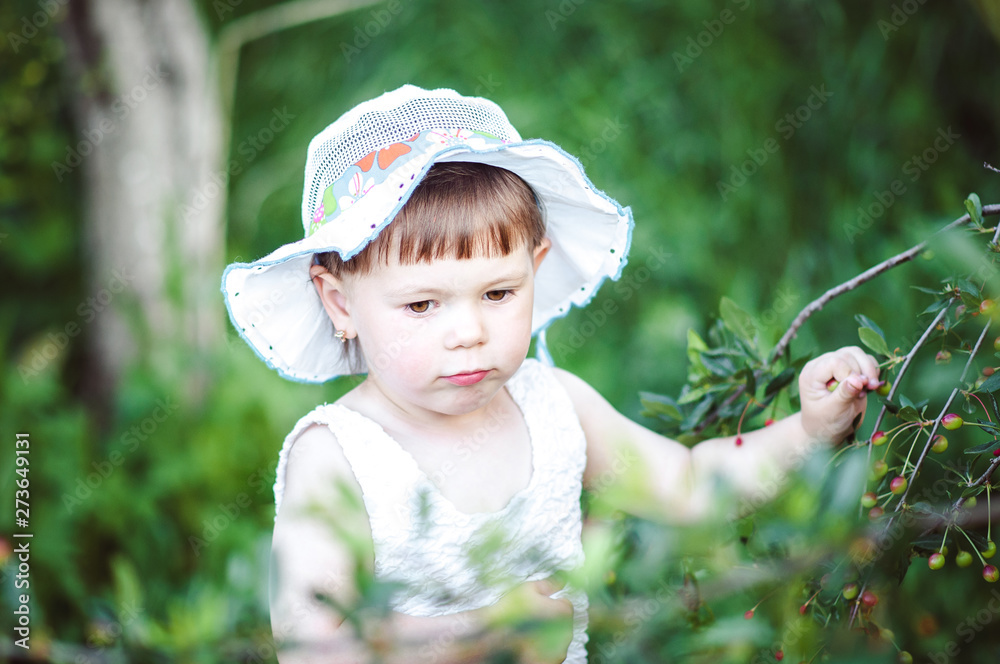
[(467, 329)]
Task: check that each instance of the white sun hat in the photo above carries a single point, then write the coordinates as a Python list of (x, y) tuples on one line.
[(362, 169)]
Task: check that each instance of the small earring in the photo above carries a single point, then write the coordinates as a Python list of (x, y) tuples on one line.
[(341, 336)]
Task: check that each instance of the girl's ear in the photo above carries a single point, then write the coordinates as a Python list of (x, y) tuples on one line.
[(333, 295), (541, 250)]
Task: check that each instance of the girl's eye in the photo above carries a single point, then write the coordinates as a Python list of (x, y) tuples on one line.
[(496, 295), (419, 307)]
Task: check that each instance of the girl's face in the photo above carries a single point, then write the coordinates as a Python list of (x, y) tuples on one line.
[(440, 337)]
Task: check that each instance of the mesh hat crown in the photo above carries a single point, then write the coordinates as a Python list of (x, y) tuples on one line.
[(359, 173)]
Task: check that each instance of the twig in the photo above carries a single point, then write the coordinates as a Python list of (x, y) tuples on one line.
[(867, 275), (937, 422), (991, 167), (906, 363)]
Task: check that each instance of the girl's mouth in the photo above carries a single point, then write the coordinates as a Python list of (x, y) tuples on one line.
[(463, 379)]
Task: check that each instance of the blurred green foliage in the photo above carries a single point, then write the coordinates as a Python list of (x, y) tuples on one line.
[(152, 546)]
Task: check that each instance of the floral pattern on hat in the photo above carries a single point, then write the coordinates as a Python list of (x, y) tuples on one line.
[(369, 174)]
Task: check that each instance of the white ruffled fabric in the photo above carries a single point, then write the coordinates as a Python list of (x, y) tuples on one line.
[(447, 559)]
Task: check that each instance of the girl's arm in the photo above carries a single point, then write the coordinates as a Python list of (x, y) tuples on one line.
[(322, 544), (653, 476)]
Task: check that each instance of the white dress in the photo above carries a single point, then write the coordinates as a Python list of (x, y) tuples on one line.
[(448, 560)]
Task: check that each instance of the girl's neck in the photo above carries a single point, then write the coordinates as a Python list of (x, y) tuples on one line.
[(406, 422)]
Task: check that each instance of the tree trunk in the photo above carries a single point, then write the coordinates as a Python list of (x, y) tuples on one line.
[(150, 127)]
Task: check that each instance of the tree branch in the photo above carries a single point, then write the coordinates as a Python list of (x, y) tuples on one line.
[(867, 275), (937, 421)]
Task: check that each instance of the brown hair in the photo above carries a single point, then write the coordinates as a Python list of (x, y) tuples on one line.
[(459, 210)]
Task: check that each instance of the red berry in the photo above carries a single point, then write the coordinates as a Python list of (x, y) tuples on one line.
[(869, 499), (991, 574), (880, 438), (951, 421), (779, 655), (869, 599), (803, 609), (749, 614), (996, 344), (936, 561), (897, 485), (875, 512), (939, 444), (768, 422), (996, 452), (739, 441), (832, 384), (989, 371)]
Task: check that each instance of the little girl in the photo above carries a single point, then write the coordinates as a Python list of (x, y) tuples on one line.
[(437, 244)]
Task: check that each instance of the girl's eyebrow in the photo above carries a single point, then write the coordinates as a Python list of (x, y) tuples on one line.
[(417, 290)]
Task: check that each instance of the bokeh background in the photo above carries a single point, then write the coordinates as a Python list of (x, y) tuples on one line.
[(768, 149)]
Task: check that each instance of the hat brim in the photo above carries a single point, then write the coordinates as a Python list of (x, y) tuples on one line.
[(276, 309)]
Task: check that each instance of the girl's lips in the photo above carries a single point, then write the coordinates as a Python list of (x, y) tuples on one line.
[(464, 379)]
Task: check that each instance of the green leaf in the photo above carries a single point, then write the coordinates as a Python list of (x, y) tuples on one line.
[(935, 307), (779, 382), (719, 366), (693, 395), (874, 341), (736, 319), (908, 414), (991, 384), (985, 447), (975, 208), (865, 321), (659, 405), (696, 345)]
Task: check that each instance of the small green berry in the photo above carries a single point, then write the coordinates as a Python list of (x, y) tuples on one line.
[(880, 438), (963, 559), (869, 499), (850, 591), (936, 560), (991, 549), (939, 445), (991, 574), (951, 421), (897, 485)]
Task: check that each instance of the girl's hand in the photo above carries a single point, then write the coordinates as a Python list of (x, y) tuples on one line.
[(829, 414)]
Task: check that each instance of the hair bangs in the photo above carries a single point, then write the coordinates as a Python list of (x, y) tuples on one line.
[(459, 210)]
